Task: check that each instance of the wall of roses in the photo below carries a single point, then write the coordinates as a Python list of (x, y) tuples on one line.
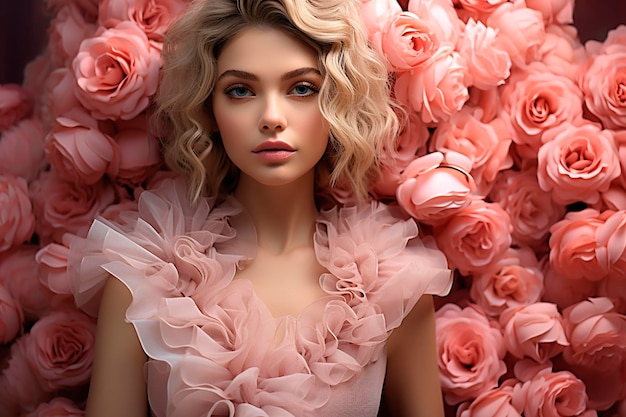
[(513, 158)]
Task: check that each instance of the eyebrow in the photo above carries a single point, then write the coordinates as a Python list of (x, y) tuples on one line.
[(286, 76)]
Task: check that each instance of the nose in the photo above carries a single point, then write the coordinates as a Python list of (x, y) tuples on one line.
[(272, 116)]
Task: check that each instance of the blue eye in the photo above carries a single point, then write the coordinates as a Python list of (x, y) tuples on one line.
[(238, 91), (304, 90)]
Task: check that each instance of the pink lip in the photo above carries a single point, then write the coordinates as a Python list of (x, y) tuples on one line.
[(274, 146)]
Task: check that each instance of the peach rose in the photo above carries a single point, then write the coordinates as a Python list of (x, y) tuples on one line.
[(60, 349), (577, 163), (481, 7), (16, 104), (613, 288), (11, 316), (432, 188), (140, 156), (475, 237), (610, 239), (564, 290), (487, 65), (534, 331), (20, 274), (602, 83), (574, 251), (535, 100), (441, 16), (152, 16), (24, 143), (437, 89), (67, 30), (497, 402), (116, 72), (58, 101), (376, 16), (57, 407), (531, 209), (79, 151), (62, 206), (470, 352), (17, 221), (615, 40), (562, 51), (514, 280), (554, 11), (520, 31), (485, 144), (52, 260)]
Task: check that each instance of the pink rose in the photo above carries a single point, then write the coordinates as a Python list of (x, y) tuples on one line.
[(480, 7), (116, 72), (19, 388), (535, 100), (574, 251), (513, 281), (485, 144), (376, 16), (597, 351), (475, 237), (487, 65), (620, 141), (602, 83), (437, 89), (470, 350), (140, 156), (534, 331), (63, 207), (60, 349), (19, 273), (23, 142), (564, 290), (15, 104), (152, 16), (552, 394), (11, 316), (57, 407), (88, 8), (441, 16), (613, 199), (615, 40), (79, 151), (58, 101), (554, 11), (531, 209), (520, 31), (562, 51), (67, 31), (577, 163), (610, 239), (52, 260), (435, 186), (497, 402), (17, 221), (613, 288)]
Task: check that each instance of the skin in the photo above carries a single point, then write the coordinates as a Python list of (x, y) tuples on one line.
[(267, 91)]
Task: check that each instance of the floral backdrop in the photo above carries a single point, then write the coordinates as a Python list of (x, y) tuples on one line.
[(513, 157)]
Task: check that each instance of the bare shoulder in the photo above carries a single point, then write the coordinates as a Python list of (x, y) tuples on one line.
[(117, 382)]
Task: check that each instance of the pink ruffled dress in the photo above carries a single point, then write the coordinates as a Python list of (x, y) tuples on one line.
[(214, 347)]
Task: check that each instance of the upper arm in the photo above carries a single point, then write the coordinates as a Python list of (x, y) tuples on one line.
[(412, 385), (117, 385)]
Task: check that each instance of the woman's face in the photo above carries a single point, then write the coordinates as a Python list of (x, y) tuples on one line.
[(266, 107)]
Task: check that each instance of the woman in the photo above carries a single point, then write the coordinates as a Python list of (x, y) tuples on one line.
[(255, 300)]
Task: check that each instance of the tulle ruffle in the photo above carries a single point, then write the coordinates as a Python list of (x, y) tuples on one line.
[(214, 345)]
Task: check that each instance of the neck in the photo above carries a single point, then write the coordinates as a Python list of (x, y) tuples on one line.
[(284, 216)]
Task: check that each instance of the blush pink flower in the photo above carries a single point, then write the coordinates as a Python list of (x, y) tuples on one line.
[(535, 100), (52, 260), (437, 89), (24, 143), (497, 402), (564, 290), (116, 72), (152, 16), (481, 7), (79, 151), (67, 30), (577, 163), (60, 349), (534, 331), (140, 156), (57, 407), (432, 189), (470, 352), (531, 209), (574, 251), (610, 239), (441, 16), (88, 8), (11, 316), (562, 52), (487, 65), (17, 221), (521, 31), (16, 103), (475, 237), (514, 280), (554, 11), (602, 82), (376, 16), (486, 144), (58, 102)]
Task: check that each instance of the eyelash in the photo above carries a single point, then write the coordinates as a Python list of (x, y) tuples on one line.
[(230, 91)]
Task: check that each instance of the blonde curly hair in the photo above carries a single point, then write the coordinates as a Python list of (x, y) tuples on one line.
[(354, 96)]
